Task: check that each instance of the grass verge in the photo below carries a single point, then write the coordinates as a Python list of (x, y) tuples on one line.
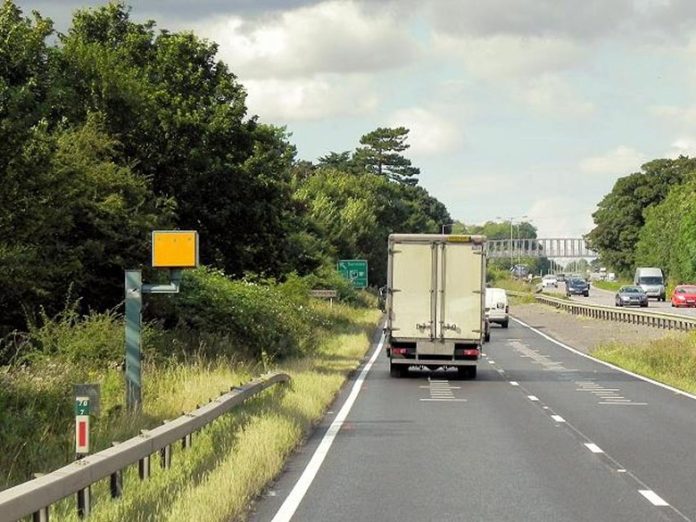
[(612, 286), (233, 459), (671, 360)]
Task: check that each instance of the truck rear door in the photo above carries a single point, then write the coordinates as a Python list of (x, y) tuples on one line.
[(412, 290), (460, 283)]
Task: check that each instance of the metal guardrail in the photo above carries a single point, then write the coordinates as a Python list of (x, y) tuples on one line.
[(620, 314), (34, 497)]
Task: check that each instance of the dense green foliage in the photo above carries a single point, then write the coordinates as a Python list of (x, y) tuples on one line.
[(621, 214), (356, 213), (116, 128), (668, 238)]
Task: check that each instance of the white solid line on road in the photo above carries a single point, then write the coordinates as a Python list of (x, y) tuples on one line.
[(608, 365), (557, 418), (593, 447), (514, 383), (653, 497), (292, 502), (532, 398)]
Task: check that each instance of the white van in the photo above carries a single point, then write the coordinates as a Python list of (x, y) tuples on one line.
[(652, 282), (497, 306)]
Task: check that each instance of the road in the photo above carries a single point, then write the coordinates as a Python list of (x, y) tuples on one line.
[(542, 434), (606, 298)]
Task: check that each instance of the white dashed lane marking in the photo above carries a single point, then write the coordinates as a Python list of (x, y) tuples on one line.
[(653, 498), (593, 447)]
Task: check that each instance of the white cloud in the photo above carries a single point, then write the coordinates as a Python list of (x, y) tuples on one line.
[(551, 94), (559, 216), (618, 162), (508, 57), (337, 36), (310, 99), (430, 132), (674, 114), (684, 146)]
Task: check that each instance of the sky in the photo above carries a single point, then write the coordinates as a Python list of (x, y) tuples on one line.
[(515, 107)]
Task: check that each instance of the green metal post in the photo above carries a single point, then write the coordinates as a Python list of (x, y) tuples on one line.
[(134, 305)]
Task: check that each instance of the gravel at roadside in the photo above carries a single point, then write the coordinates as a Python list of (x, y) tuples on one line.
[(582, 333)]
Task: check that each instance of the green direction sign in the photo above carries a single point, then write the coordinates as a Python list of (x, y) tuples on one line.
[(355, 270)]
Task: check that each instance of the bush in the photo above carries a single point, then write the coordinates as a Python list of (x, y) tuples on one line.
[(245, 318)]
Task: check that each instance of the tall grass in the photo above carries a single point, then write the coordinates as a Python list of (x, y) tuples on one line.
[(219, 333), (234, 458), (671, 360)]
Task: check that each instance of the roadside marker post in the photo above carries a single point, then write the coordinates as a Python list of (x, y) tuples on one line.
[(82, 409), (173, 250)]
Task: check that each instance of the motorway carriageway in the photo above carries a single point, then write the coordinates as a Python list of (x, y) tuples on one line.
[(599, 296), (544, 433)]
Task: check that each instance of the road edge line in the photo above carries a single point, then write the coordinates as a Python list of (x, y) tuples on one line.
[(299, 490), (608, 364)]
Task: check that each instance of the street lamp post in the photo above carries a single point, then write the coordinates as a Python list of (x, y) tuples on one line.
[(511, 219)]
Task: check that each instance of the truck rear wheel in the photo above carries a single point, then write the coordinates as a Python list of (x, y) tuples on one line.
[(466, 372), (398, 370)]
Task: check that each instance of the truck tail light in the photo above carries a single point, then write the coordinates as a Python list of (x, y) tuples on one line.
[(470, 352), (399, 351)]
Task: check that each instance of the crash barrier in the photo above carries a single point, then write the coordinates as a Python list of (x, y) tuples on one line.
[(36, 496), (620, 314)]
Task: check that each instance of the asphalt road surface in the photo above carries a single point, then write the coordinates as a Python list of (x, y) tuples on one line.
[(542, 434), (606, 298)]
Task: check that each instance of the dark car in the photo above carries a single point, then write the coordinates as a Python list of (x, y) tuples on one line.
[(577, 286), (631, 296)]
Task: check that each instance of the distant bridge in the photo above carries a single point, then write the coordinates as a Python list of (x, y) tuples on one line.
[(540, 247)]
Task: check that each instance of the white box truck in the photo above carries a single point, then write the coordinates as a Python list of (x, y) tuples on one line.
[(435, 302)]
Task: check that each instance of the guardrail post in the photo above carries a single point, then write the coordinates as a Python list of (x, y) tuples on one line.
[(116, 480), (84, 502), (166, 457), (42, 514), (186, 441), (166, 454), (144, 468)]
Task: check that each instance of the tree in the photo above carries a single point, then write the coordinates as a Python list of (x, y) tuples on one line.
[(381, 155), (355, 214), (668, 238), (181, 117), (620, 215)]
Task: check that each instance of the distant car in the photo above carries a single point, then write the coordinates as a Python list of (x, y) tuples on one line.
[(519, 271), (577, 286), (561, 278), (497, 306), (549, 280), (631, 296), (684, 295)]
